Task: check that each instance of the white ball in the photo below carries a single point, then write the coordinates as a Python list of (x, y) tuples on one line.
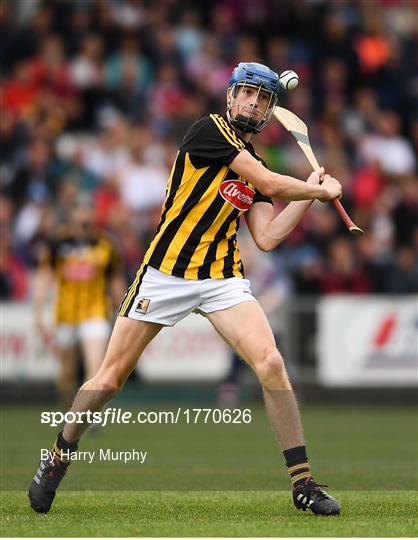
[(289, 79)]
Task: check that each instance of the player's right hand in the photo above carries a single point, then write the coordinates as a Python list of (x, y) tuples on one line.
[(333, 189)]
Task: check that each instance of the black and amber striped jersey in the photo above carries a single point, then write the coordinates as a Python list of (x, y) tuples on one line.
[(197, 234), (82, 268)]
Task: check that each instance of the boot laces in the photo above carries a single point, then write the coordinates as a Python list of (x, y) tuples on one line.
[(312, 486)]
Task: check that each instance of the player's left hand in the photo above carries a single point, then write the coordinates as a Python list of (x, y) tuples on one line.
[(318, 177)]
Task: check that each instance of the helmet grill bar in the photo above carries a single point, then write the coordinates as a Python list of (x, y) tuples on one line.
[(245, 123)]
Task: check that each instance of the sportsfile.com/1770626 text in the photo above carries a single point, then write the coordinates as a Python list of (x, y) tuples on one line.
[(113, 415)]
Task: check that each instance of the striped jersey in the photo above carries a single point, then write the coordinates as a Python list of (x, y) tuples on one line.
[(82, 268), (197, 234)]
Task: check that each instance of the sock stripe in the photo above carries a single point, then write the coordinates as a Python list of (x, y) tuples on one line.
[(299, 471), (297, 465), (304, 464), (300, 476), (57, 451)]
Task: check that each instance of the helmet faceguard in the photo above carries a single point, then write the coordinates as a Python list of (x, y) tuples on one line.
[(260, 78)]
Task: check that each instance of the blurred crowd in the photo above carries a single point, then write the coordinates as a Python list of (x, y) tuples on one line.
[(96, 95)]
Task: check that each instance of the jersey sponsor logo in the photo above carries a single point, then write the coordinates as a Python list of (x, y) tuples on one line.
[(142, 306), (79, 271), (237, 193)]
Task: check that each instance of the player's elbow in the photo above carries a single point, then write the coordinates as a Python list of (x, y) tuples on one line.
[(269, 189), (269, 243), (265, 244)]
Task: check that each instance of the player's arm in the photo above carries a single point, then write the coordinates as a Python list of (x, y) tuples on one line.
[(117, 288), (280, 186), (267, 230), (42, 284), (116, 280), (41, 287)]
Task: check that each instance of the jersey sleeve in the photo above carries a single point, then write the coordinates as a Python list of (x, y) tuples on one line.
[(211, 140), (259, 197)]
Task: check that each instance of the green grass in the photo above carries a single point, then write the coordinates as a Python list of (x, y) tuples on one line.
[(216, 480), (200, 514), (356, 448)]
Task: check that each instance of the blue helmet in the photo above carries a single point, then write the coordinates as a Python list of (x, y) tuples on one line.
[(257, 76)]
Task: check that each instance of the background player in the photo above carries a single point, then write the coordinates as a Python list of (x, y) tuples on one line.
[(86, 268), (193, 264)]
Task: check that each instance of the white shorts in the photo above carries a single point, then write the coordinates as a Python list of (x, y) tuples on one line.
[(67, 335), (166, 299)]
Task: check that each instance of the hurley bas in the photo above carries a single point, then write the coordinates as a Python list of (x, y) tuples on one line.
[(104, 454)]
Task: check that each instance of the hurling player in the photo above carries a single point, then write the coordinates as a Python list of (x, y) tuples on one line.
[(193, 264), (86, 269)]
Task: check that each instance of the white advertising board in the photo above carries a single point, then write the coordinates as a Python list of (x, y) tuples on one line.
[(23, 356), (189, 351), (368, 341)]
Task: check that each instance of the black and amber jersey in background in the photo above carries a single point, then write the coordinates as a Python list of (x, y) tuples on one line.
[(82, 268), (196, 237)]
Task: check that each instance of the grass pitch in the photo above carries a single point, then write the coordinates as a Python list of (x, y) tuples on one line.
[(208, 480), (202, 514)]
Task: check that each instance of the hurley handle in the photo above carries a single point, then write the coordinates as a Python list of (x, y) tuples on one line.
[(349, 223)]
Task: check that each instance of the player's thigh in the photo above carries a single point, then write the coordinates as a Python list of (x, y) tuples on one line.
[(94, 336), (127, 342), (246, 328)]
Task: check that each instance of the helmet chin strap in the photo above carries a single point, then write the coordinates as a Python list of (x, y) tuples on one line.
[(241, 122), (244, 124)]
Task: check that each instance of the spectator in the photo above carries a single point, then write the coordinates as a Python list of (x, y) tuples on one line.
[(34, 181), (21, 92), (166, 98), (206, 71), (405, 213), (344, 273), (404, 278), (128, 64), (388, 147), (49, 68), (14, 276), (189, 35), (105, 155), (142, 184), (87, 66)]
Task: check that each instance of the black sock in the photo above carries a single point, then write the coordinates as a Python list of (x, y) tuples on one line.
[(61, 444), (297, 464)]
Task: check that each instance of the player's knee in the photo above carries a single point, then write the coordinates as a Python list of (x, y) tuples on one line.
[(110, 386), (271, 370), (107, 385)]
